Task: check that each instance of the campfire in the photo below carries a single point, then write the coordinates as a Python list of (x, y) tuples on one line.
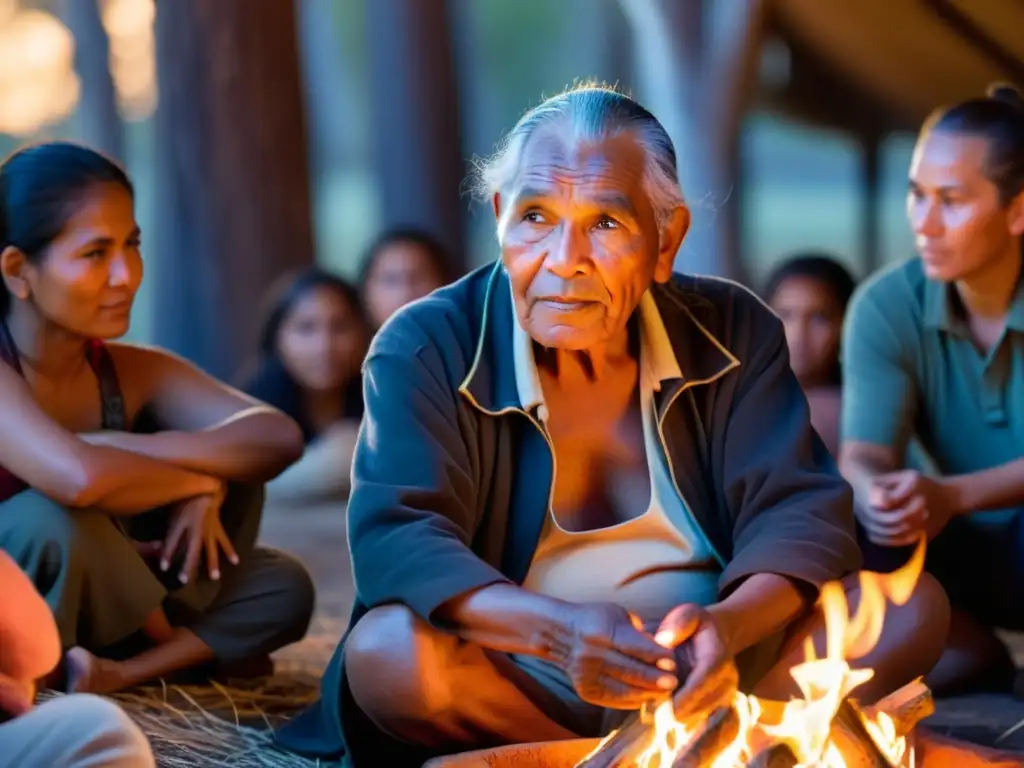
[(824, 728)]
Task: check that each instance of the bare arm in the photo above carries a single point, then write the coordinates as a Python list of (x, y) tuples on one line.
[(996, 488), (212, 428), (762, 605), (861, 463), (507, 618), (58, 464), (324, 469)]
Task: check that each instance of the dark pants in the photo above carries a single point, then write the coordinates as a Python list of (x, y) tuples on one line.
[(102, 591), (979, 564)]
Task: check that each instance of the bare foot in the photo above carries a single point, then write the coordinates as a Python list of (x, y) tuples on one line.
[(90, 674)]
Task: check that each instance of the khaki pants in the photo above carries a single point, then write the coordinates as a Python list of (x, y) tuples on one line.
[(79, 731)]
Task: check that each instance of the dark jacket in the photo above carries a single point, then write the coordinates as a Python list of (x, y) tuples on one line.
[(450, 480)]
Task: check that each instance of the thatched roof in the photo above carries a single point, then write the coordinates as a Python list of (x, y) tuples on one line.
[(878, 65)]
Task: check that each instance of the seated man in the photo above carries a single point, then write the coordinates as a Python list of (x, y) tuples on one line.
[(934, 348), (75, 731), (571, 451)]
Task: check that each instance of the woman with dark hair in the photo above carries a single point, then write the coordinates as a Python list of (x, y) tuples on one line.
[(402, 265), (809, 293), (934, 348), (143, 544), (312, 344)]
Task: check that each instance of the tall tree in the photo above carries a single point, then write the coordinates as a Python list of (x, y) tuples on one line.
[(697, 66), (233, 196), (97, 121), (415, 112)]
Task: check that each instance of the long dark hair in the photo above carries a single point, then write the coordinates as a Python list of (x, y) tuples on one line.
[(39, 186), (824, 269), (436, 253), (268, 379)]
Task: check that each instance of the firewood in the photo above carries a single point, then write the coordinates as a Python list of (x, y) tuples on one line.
[(775, 756), (722, 728), (906, 706), (853, 740), (623, 746), (635, 733)]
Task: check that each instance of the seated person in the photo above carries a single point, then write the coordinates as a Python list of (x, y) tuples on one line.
[(76, 485), (934, 348), (90, 731), (809, 293), (402, 265), (312, 345), (573, 451)]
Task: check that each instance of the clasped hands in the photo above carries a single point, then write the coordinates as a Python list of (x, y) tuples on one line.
[(903, 505), (195, 529), (613, 662)]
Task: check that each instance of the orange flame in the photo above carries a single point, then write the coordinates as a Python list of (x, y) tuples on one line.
[(805, 724)]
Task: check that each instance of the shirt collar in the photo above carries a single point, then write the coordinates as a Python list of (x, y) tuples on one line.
[(658, 361)]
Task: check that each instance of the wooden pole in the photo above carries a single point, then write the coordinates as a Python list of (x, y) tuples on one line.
[(233, 192)]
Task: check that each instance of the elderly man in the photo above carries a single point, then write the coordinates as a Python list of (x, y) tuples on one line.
[(571, 453)]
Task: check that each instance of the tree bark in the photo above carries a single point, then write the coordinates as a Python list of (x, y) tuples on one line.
[(233, 194), (415, 112), (697, 66), (97, 121)]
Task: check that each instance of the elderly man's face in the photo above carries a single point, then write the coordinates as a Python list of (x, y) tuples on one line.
[(579, 239)]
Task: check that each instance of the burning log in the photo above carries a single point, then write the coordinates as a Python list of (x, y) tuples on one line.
[(626, 746), (775, 756), (904, 707), (722, 728), (853, 740)]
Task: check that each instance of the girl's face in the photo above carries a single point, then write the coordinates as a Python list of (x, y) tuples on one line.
[(322, 341), (813, 321), (402, 272)]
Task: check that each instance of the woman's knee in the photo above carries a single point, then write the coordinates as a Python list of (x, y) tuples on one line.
[(926, 617), (296, 597), (49, 537), (104, 733), (395, 666)]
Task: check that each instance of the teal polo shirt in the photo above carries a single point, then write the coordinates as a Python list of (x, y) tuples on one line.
[(911, 369)]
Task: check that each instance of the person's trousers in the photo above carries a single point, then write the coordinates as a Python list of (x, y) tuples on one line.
[(101, 590), (77, 731)]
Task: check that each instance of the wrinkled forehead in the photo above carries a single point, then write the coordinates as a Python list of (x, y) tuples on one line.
[(556, 164)]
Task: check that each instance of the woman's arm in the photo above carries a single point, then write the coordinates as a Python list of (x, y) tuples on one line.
[(324, 469), (52, 460), (211, 428)]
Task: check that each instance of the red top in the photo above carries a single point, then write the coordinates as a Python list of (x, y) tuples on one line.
[(114, 417)]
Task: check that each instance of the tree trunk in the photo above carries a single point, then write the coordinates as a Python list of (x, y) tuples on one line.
[(697, 64), (415, 113), (233, 195), (328, 92), (97, 121)]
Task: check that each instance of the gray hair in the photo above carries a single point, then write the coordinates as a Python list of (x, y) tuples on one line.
[(591, 112)]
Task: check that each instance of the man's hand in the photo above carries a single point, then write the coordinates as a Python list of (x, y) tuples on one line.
[(15, 696), (903, 505), (611, 661), (704, 661)]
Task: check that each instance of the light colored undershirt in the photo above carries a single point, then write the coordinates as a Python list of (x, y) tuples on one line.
[(648, 564)]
